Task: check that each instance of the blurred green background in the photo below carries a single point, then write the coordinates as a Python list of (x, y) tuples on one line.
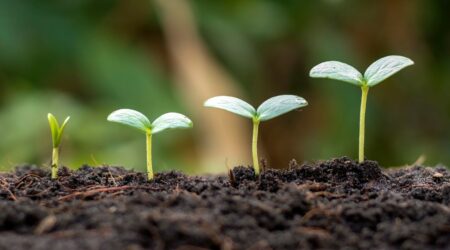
[(87, 58)]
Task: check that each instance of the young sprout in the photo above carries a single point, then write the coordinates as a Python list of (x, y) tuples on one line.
[(269, 109), (375, 73), (57, 133), (137, 120)]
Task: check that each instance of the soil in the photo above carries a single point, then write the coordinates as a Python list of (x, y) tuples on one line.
[(337, 204)]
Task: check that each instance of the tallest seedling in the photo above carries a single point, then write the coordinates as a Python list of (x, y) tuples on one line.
[(375, 73)]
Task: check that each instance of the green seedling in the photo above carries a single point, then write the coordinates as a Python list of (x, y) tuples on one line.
[(269, 109), (57, 133), (375, 73), (137, 120)]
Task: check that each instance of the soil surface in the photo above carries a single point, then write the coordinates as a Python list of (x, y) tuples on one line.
[(337, 204)]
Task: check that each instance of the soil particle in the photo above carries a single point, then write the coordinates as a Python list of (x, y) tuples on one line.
[(336, 204)]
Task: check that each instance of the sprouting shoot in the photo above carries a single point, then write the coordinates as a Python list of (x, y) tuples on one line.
[(57, 132), (269, 109), (137, 120), (375, 73)]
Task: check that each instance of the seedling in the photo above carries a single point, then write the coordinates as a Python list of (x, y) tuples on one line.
[(57, 133), (269, 109), (138, 120), (375, 73)]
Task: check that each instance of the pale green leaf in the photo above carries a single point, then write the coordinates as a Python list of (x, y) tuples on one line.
[(231, 104), (131, 118), (384, 68), (54, 129), (61, 129), (279, 105), (170, 121), (337, 71)]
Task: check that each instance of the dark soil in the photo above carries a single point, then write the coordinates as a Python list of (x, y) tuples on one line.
[(336, 204)]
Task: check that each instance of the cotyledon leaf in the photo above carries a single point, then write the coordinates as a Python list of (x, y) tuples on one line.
[(231, 104), (338, 71), (279, 105), (131, 118), (384, 68), (170, 121)]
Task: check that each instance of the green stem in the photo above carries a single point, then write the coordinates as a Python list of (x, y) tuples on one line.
[(255, 146), (55, 160), (362, 121), (149, 156)]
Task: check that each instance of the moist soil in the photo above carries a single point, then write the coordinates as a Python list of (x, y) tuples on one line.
[(336, 204)]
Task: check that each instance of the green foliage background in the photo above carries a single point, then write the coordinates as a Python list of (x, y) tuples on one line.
[(87, 58)]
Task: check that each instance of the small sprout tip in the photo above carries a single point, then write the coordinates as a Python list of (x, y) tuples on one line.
[(57, 133)]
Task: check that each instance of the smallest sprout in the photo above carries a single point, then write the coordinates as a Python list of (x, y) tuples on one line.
[(57, 133)]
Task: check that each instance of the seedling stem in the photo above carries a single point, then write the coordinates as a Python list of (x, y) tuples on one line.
[(55, 160), (149, 156), (362, 121), (255, 146)]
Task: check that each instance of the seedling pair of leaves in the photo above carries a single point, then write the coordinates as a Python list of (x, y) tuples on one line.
[(137, 120), (269, 109), (374, 74), (57, 133)]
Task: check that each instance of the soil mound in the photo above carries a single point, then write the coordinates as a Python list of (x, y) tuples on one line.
[(336, 204)]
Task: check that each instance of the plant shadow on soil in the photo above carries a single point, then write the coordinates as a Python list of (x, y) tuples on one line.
[(333, 204)]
